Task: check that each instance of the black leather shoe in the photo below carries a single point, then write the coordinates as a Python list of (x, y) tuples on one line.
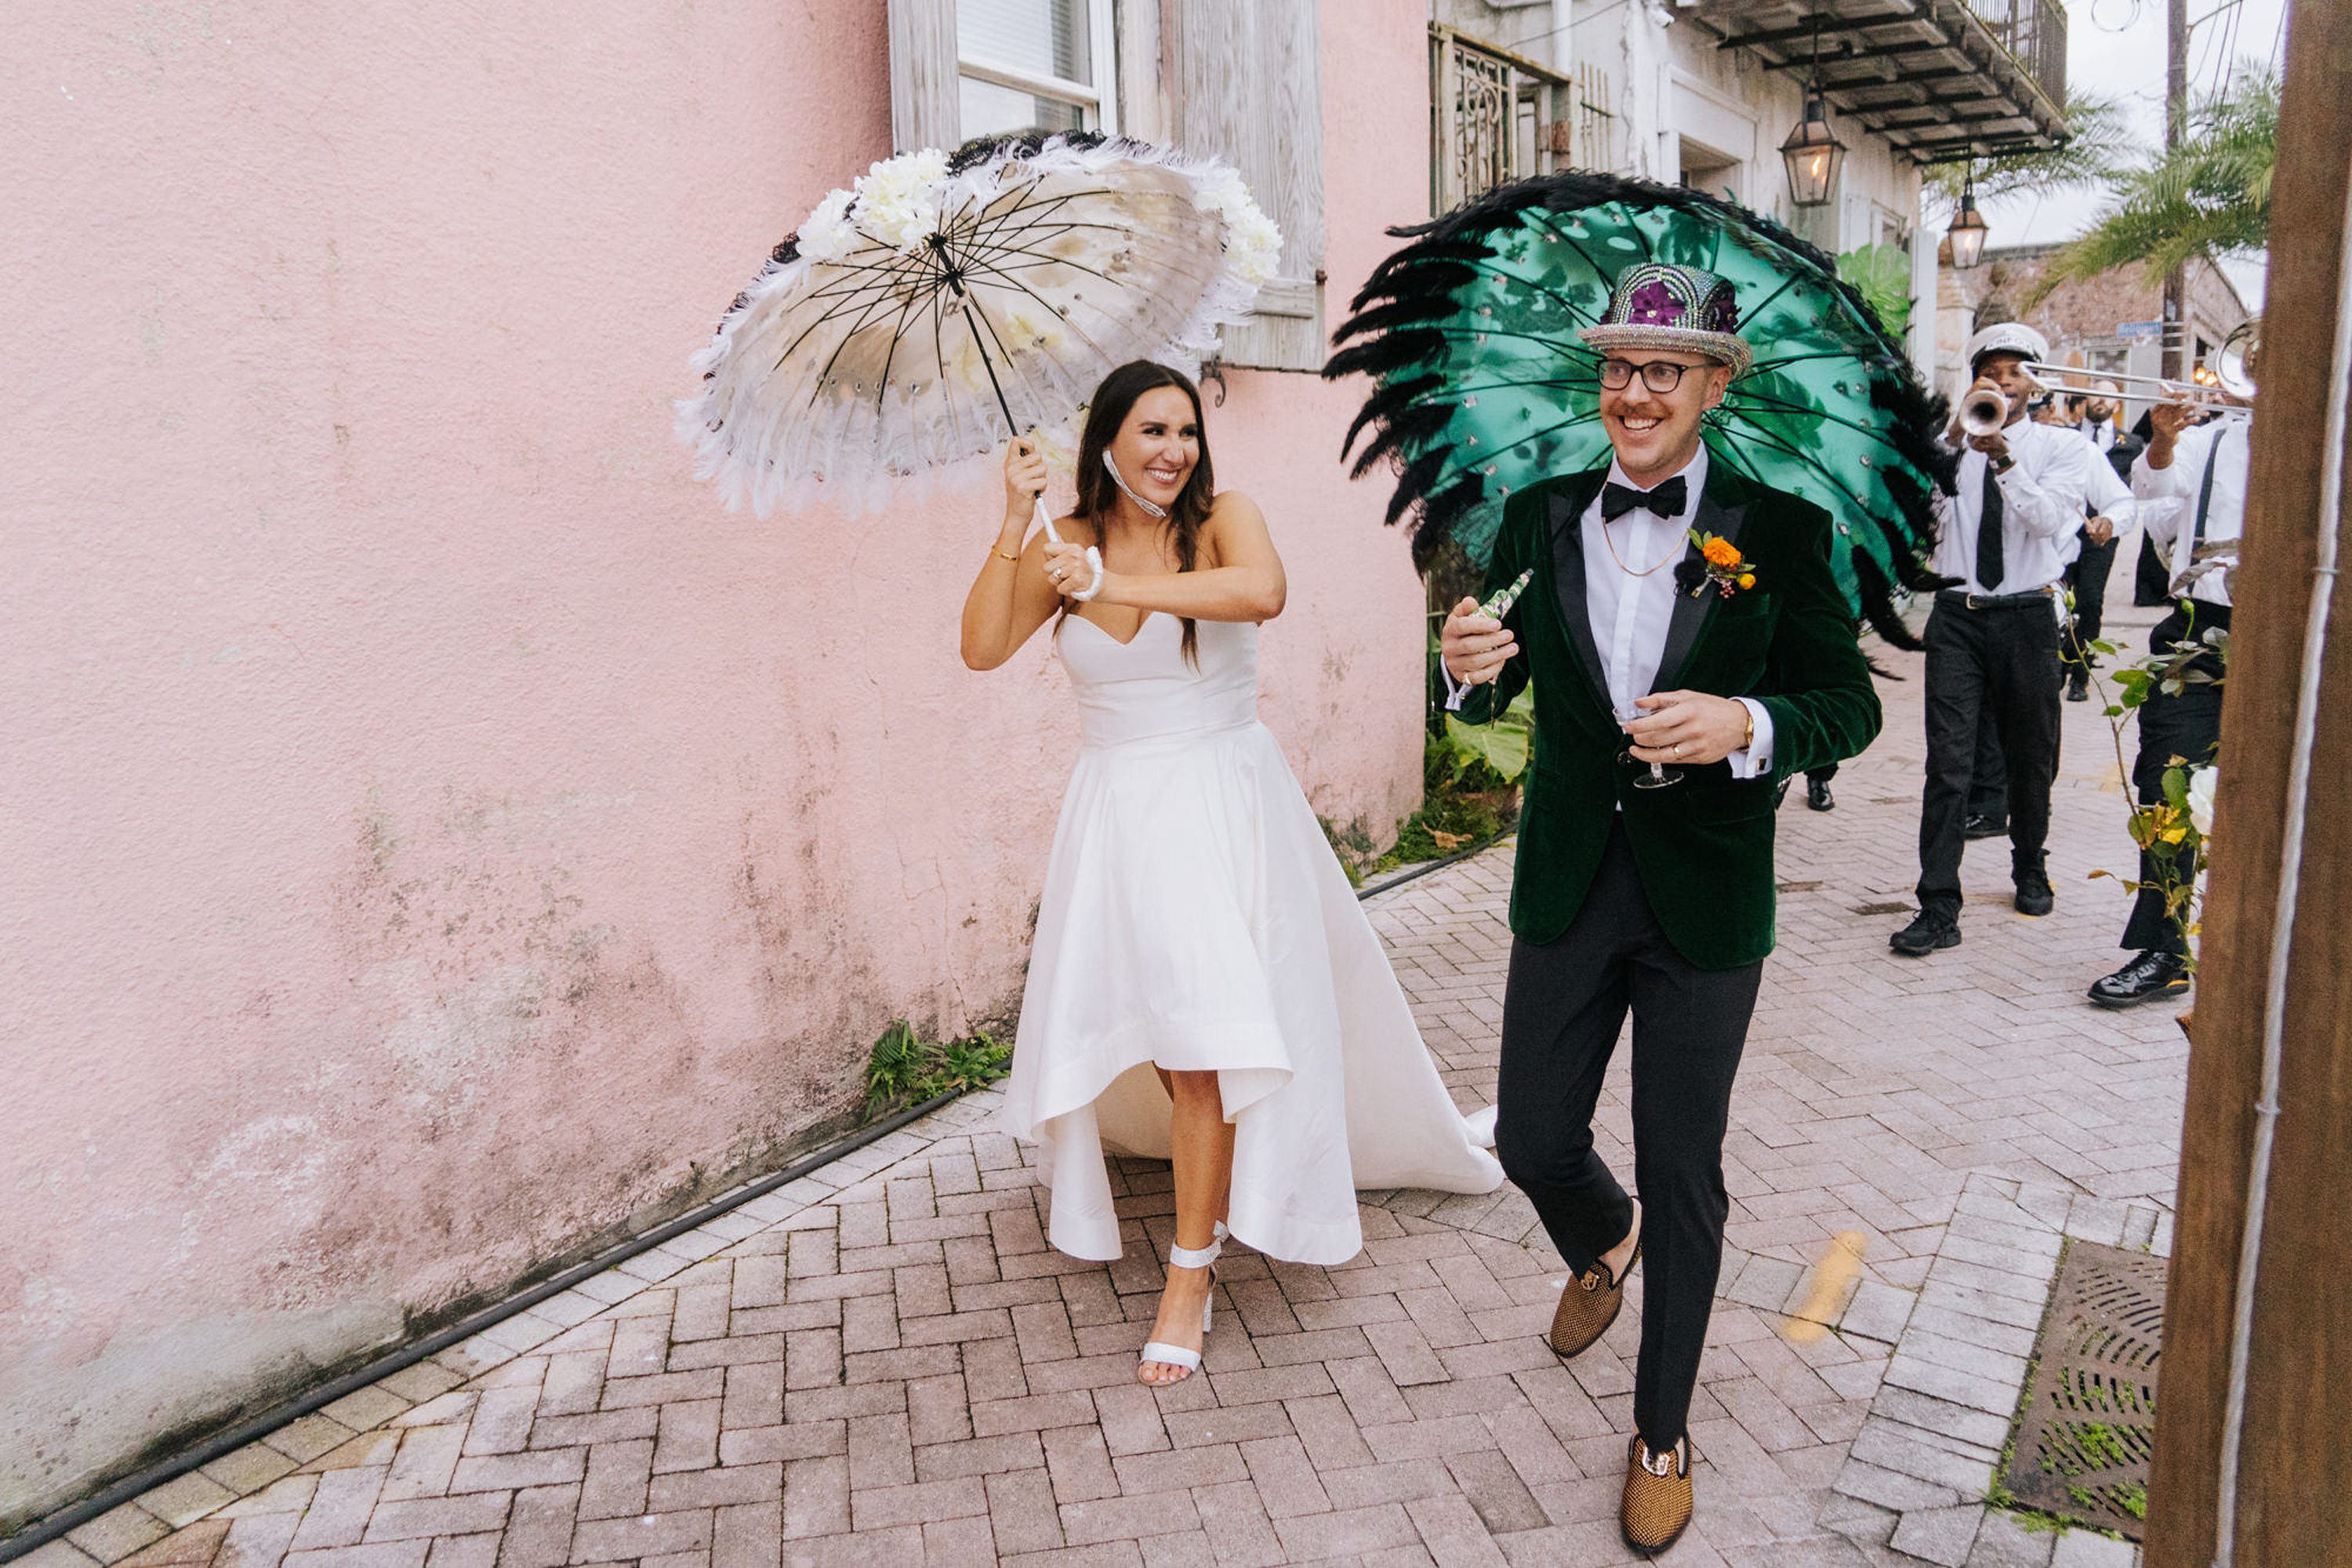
[(2150, 976), (1928, 932), (1818, 796), (1985, 827), (2078, 686), (2033, 894)]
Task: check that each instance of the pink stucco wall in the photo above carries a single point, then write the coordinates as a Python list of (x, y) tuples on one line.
[(433, 834)]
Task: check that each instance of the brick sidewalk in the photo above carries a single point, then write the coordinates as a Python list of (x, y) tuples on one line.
[(884, 1363)]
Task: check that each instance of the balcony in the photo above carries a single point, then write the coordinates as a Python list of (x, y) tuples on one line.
[(1940, 79), (1497, 116)]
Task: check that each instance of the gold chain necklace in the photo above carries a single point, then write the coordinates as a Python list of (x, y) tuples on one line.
[(1673, 551)]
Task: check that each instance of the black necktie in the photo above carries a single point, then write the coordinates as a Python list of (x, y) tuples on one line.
[(1990, 566), (1666, 500)]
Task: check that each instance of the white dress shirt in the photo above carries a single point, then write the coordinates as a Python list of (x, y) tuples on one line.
[(2101, 433), (1630, 610), (2168, 500), (2042, 508), (2104, 495)]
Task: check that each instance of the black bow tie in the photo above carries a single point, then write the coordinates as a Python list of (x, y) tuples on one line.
[(1666, 500)]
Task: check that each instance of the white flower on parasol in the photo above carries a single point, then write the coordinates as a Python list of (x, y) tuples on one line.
[(941, 305)]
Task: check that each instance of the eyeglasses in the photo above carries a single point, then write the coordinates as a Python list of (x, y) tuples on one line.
[(1659, 376)]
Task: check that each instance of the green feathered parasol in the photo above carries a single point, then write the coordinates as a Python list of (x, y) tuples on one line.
[(1481, 387)]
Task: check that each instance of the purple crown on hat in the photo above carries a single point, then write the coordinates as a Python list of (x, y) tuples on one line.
[(1658, 305), (1656, 294)]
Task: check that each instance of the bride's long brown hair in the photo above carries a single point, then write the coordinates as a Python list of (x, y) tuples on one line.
[(1113, 401)]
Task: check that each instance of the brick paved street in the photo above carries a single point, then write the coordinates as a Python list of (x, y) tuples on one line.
[(884, 1363)]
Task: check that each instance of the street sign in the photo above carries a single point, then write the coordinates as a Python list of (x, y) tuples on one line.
[(2128, 330)]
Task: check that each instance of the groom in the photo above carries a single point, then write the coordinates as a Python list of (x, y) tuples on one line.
[(1692, 612)]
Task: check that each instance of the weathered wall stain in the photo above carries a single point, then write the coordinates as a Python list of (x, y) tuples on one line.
[(436, 840)]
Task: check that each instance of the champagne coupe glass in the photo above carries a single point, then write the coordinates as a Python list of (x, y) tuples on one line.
[(1657, 774)]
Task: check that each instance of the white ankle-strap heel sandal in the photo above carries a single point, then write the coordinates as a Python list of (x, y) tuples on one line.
[(1177, 1355)]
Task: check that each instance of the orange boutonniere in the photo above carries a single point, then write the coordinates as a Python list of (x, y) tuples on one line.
[(1719, 563)]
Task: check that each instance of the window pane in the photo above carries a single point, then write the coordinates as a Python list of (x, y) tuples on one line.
[(988, 109), (1047, 38)]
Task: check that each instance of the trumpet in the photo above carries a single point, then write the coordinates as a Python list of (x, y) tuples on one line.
[(2224, 383), (1984, 411)]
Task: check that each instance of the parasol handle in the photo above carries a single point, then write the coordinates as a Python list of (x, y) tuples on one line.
[(1094, 556)]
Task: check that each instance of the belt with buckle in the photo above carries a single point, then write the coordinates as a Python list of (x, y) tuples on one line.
[(1967, 601)]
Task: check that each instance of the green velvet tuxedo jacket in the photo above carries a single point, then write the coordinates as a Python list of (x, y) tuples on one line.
[(1704, 846)]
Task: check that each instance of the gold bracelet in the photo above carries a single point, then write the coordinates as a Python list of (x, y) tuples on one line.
[(996, 550), (1750, 742)]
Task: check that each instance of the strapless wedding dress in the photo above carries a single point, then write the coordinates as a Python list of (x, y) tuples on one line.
[(1194, 917)]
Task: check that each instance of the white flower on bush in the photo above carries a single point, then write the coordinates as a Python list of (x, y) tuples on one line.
[(899, 198), (827, 236), (2202, 784)]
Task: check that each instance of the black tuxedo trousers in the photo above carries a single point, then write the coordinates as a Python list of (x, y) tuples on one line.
[(1563, 1008)]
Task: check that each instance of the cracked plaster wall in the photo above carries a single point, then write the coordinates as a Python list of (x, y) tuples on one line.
[(436, 834)]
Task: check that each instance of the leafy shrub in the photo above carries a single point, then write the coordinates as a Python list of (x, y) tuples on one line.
[(906, 1070)]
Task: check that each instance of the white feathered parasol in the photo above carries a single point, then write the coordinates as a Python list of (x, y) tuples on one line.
[(943, 305)]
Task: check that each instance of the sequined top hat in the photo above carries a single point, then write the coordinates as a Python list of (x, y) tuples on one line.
[(1683, 310)]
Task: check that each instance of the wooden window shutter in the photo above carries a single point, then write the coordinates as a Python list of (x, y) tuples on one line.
[(1248, 88), (925, 109)]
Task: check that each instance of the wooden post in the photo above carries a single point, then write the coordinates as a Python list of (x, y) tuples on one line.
[(2295, 1472), (2173, 359)]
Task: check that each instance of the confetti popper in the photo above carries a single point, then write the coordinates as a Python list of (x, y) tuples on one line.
[(1499, 604)]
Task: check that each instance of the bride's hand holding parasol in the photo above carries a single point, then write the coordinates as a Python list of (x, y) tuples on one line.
[(1024, 484)]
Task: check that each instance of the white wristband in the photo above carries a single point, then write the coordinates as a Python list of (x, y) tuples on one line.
[(1094, 560)]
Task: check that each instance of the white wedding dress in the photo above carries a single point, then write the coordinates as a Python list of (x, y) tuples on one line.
[(1194, 917)]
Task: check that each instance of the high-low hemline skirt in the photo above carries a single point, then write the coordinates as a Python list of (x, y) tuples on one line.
[(1195, 919)]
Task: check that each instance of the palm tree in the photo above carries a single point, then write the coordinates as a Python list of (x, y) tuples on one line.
[(2099, 149), (2206, 199)]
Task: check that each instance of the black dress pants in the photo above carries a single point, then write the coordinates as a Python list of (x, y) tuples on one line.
[(2151, 574), (2087, 577), (2188, 726), (1989, 778), (1563, 1008), (2004, 657)]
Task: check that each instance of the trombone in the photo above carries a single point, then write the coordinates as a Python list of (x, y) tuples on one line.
[(2224, 383)]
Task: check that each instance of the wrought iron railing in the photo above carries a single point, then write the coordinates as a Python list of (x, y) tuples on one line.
[(2034, 32), (1495, 117)]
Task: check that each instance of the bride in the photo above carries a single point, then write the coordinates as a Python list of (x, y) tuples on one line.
[(1203, 985)]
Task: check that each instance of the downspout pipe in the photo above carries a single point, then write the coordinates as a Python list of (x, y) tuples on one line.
[(2290, 886)]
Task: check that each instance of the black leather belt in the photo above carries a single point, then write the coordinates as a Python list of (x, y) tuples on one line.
[(1960, 599)]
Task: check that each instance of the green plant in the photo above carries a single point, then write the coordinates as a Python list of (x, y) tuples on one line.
[(906, 1070), (2168, 831), (1350, 846), (1464, 802), (1882, 275), (2208, 197), (1501, 747)]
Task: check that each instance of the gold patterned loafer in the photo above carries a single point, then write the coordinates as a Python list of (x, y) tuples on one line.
[(1587, 1305), (1657, 1506)]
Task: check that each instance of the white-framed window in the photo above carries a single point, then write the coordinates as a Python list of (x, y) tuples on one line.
[(1239, 79), (1036, 65)]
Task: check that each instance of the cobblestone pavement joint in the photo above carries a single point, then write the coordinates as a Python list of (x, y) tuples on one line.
[(883, 1362)]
